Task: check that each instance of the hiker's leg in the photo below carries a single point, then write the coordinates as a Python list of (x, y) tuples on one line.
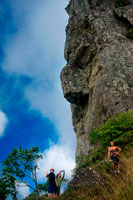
[(58, 191), (53, 195), (54, 192), (119, 168), (49, 192), (49, 195), (115, 165)]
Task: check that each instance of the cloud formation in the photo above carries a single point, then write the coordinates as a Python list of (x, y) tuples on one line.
[(23, 192), (57, 157), (36, 50), (3, 123)]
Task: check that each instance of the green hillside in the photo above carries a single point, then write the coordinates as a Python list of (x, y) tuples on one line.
[(94, 177)]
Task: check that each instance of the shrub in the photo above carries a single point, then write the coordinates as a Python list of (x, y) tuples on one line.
[(118, 128), (130, 32), (120, 3)]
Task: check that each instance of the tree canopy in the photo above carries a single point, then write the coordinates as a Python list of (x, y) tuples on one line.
[(20, 167)]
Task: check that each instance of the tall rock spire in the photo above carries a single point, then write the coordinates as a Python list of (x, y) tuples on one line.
[(98, 77)]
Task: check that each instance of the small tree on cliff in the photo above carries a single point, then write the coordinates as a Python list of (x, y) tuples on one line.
[(21, 164)]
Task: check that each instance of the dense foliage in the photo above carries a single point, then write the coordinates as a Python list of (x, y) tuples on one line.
[(7, 187), (118, 128)]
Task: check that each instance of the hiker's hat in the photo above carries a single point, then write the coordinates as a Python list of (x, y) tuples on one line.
[(52, 169)]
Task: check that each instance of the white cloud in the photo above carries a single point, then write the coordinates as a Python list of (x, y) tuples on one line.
[(36, 50), (23, 192), (3, 123), (57, 157)]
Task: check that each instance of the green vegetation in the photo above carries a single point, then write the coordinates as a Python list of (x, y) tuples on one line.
[(130, 32), (116, 187), (20, 167), (118, 129), (34, 196), (120, 3), (7, 187)]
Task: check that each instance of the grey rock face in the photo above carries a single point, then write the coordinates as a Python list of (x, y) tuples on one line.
[(125, 12), (98, 77), (81, 178)]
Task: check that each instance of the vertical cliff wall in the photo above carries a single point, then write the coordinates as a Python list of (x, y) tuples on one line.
[(98, 77)]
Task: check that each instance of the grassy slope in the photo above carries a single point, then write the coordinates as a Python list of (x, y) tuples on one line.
[(119, 129), (116, 187)]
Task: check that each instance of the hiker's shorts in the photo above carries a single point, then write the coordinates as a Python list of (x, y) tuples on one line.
[(52, 189), (115, 159)]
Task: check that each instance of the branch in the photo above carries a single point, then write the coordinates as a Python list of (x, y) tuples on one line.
[(22, 181)]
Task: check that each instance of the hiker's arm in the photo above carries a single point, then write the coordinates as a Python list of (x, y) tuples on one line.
[(119, 149), (57, 175), (63, 174), (108, 153), (46, 173)]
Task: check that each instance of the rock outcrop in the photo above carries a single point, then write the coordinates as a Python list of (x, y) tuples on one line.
[(98, 77), (81, 179)]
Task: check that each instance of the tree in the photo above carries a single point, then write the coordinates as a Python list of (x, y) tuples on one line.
[(4, 191), (7, 187), (21, 164)]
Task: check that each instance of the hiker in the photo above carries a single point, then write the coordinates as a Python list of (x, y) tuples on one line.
[(59, 178), (52, 184), (113, 154)]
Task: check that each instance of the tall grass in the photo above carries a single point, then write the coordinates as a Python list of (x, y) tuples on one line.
[(116, 186)]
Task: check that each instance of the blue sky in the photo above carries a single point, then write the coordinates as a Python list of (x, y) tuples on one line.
[(33, 111)]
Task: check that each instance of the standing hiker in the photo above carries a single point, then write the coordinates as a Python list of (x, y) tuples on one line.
[(52, 184), (113, 154), (59, 178)]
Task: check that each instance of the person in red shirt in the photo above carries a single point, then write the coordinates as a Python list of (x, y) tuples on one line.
[(113, 154)]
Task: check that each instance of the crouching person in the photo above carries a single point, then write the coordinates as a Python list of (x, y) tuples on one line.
[(52, 184)]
